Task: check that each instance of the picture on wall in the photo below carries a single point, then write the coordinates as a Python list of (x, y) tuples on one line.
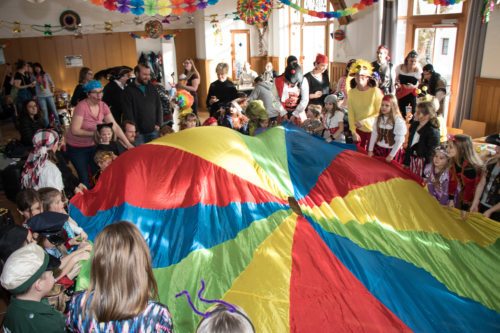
[(73, 61)]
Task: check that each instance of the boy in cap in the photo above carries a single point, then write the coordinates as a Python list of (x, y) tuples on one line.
[(27, 275)]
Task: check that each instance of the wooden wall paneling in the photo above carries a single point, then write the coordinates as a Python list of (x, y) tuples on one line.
[(113, 50), (203, 67), (258, 64), (128, 49), (185, 47), (337, 69), (65, 75), (48, 58), (97, 52), (276, 64), (485, 106), (29, 49)]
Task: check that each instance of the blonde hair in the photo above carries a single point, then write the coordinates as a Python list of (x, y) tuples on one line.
[(428, 108), (395, 113), (121, 277), (465, 151), (101, 155), (315, 109), (222, 320), (222, 67), (186, 118)]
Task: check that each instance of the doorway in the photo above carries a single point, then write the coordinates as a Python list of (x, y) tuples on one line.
[(240, 51)]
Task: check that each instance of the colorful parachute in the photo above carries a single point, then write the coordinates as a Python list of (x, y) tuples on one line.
[(365, 249)]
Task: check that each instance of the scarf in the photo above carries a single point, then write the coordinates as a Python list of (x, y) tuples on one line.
[(43, 142)]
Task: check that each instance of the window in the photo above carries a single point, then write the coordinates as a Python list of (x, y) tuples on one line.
[(444, 46), (423, 7)]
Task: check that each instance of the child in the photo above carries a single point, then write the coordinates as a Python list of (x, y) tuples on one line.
[(235, 120), (389, 130), (53, 201), (49, 233), (333, 120), (465, 171), (165, 130), (312, 124), (189, 120), (437, 175), (105, 138), (423, 138), (210, 121), (29, 204), (103, 159), (262, 126), (226, 318), (487, 197), (28, 276), (257, 115)]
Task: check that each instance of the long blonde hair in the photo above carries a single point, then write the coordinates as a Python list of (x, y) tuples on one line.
[(121, 277), (465, 151)]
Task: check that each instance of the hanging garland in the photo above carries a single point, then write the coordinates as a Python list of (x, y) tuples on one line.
[(154, 7), (357, 7), (254, 11), (164, 36)]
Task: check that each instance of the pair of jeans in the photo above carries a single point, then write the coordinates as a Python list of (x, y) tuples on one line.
[(82, 159), (146, 137), (47, 104)]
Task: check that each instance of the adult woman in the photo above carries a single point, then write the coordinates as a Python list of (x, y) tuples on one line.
[(221, 91), (22, 84), (122, 287), (316, 85), (29, 123), (364, 102), (434, 84), (407, 79), (192, 82), (40, 169), (80, 143), (383, 67), (113, 91), (44, 95), (85, 76)]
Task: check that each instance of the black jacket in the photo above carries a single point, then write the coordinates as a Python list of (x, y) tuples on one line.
[(144, 109), (28, 128), (78, 95), (224, 91), (113, 95), (428, 141)]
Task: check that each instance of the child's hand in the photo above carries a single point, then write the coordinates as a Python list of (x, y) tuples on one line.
[(389, 158), (356, 137), (84, 236), (451, 204), (80, 188), (75, 241), (85, 247), (370, 154)]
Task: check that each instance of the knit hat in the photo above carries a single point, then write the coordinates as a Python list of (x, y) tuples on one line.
[(92, 85), (331, 99), (291, 59), (321, 59), (256, 110), (24, 267)]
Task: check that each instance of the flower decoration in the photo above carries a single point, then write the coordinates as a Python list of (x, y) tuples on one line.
[(254, 11), (155, 7)]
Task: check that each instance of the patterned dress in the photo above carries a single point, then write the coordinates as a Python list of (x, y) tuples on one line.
[(155, 318)]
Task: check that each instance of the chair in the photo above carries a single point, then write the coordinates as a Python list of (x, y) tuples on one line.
[(454, 131), (475, 129)]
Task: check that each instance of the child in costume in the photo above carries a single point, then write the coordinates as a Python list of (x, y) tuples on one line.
[(389, 130), (29, 204), (233, 119), (465, 171), (105, 138), (189, 120), (103, 159), (333, 120), (423, 138), (437, 175), (364, 102), (312, 124), (28, 276), (487, 197), (256, 113)]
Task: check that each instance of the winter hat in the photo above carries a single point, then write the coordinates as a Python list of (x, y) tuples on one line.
[(331, 99)]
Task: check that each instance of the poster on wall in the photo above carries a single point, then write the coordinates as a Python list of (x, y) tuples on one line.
[(2, 57), (73, 61)]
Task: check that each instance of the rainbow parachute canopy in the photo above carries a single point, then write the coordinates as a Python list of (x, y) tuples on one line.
[(305, 236)]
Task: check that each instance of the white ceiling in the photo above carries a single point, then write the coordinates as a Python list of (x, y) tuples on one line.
[(48, 12)]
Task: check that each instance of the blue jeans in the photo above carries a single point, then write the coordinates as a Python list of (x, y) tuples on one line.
[(146, 137), (82, 159), (47, 103)]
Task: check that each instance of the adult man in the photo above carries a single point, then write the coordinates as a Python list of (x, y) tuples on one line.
[(434, 84), (113, 91), (130, 132), (142, 105)]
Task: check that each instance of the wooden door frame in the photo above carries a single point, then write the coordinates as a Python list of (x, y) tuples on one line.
[(426, 21), (233, 49)]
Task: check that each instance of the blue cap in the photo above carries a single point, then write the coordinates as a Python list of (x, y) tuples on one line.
[(47, 223), (91, 85)]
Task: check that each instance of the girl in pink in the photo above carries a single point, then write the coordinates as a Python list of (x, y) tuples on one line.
[(389, 130), (80, 138), (437, 175)]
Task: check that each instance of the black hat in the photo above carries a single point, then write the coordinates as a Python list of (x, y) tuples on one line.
[(291, 59), (47, 223), (12, 237), (428, 68), (293, 73), (493, 139)]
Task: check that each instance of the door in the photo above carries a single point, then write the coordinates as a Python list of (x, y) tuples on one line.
[(240, 51)]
